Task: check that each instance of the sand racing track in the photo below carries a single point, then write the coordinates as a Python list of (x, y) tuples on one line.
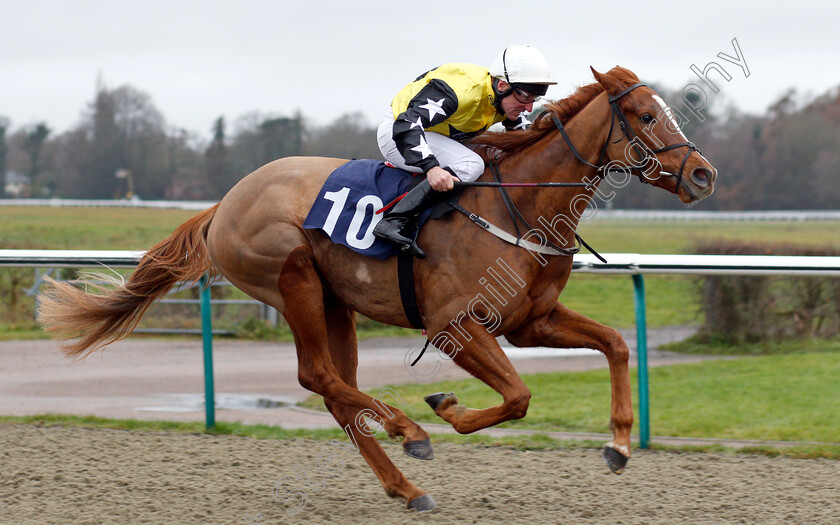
[(73, 475)]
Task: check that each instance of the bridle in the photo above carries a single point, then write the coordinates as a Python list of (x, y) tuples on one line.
[(638, 145), (601, 168)]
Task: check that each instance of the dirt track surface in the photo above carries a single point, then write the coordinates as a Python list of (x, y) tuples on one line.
[(72, 475), (83, 476)]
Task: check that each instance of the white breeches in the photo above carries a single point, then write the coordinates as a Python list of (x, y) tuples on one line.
[(466, 163)]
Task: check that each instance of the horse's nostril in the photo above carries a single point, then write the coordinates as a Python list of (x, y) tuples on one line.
[(701, 176)]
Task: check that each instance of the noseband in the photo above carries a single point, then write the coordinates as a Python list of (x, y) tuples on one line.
[(629, 134)]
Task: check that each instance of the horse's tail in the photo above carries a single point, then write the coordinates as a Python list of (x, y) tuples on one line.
[(101, 314)]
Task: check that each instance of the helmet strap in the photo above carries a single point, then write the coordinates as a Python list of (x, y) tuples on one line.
[(497, 101), (504, 66)]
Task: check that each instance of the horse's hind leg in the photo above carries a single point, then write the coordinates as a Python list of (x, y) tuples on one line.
[(304, 310), (344, 353)]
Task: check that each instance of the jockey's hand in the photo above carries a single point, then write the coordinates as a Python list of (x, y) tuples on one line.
[(440, 179)]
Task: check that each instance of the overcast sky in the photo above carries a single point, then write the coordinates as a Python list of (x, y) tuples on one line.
[(199, 60)]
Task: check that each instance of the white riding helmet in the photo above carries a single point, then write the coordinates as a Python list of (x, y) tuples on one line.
[(522, 65)]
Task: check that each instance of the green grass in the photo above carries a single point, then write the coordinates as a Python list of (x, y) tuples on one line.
[(680, 237), (21, 331), (781, 397), (701, 346), (670, 300), (789, 397), (80, 228), (139, 228)]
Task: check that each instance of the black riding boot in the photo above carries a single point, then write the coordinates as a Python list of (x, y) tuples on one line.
[(399, 224)]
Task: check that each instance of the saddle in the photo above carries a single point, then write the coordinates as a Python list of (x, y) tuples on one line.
[(353, 199)]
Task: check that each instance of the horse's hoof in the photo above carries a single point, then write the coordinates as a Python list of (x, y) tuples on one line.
[(615, 460), (434, 400), (421, 449), (422, 503)]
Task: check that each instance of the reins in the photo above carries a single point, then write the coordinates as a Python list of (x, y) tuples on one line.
[(463, 184), (546, 246), (512, 209)]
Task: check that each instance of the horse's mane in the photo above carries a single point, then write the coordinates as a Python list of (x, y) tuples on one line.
[(509, 143)]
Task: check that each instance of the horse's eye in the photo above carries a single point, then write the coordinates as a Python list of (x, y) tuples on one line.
[(646, 118)]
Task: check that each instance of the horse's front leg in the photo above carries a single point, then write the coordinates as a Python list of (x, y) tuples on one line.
[(564, 328), (476, 351)]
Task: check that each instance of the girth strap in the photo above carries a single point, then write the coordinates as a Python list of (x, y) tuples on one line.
[(408, 294)]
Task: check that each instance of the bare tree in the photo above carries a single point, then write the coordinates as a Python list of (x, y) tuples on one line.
[(33, 144), (124, 133), (260, 139), (348, 136), (216, 166), (281, 137)]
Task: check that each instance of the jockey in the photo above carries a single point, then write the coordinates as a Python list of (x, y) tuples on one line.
[(440, 110)]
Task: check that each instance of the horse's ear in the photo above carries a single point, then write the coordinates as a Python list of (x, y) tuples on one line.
[(613, 85)]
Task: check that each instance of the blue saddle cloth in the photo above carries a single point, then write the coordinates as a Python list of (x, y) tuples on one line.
[(346, 206)]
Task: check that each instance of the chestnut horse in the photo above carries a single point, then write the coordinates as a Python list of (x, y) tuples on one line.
[(254, 238)]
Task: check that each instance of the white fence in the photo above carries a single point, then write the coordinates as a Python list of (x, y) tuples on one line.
[(617, 263), (638, 264), (693, 215)]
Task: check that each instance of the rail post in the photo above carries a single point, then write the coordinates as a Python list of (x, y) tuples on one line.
[(207, 337), (641, 357)]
